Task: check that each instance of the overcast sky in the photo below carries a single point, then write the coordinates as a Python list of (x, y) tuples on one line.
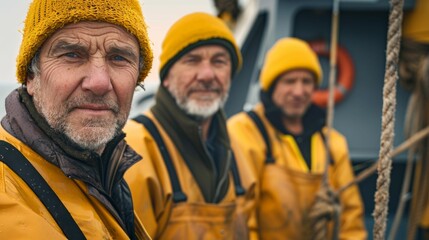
[(159, 14)]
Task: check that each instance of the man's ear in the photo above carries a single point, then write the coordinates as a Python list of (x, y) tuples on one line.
[(30, 84), (165, 82)]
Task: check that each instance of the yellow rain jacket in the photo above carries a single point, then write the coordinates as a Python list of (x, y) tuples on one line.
[(288, 186), (22, 214), (182, 212)]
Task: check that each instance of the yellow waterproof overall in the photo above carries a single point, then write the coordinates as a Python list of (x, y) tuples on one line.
[(280, 215), (204, 221)]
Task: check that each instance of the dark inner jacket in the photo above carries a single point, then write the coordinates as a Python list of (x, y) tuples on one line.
[(209, 170), (102, 174), (313, 121)]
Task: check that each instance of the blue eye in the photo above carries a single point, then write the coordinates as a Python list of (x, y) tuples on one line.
[(118, 58), (71, 55)]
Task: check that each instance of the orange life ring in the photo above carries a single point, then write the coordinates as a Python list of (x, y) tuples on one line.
[(345, 73)]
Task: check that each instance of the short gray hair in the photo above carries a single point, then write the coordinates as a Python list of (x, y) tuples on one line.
[(34, 67)]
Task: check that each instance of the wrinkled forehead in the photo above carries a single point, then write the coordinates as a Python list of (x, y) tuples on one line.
[(210, 50), (90, 31)]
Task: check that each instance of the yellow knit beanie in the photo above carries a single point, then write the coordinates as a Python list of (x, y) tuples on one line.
[(194, 30), (288, 54), (415, 24), (44, 17)]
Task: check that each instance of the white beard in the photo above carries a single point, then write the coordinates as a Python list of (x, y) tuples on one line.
[(203, 110), (203, 106)]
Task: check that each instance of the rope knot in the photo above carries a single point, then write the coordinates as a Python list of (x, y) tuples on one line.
[(326, 208)]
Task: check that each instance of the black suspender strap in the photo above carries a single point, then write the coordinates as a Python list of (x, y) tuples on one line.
[(269, 157), (178, 194), (23, 168), (239, 190)]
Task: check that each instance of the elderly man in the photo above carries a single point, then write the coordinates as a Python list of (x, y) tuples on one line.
[(62, 146), (284, 137), (189, 185)]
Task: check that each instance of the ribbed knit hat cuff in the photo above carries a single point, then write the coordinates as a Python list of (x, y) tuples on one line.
[(213, 41)]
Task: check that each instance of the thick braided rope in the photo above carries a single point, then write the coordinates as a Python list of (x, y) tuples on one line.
[(388, 119)]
